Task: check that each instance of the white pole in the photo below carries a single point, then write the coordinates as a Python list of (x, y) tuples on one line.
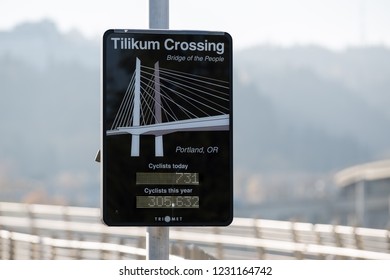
[(159, 14), (157, 238)]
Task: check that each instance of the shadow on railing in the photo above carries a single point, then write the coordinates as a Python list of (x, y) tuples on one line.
[(31, 231)]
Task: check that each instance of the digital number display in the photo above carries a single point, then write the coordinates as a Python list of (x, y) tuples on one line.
[(168, 201), (178, 178)]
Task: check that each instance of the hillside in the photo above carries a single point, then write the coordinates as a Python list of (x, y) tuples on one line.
[(326, 110)]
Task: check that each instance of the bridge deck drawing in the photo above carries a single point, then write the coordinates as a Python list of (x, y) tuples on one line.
[(160, 101), (214, 123)]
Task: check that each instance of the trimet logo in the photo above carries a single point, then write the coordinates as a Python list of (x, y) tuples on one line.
[(168, 219)]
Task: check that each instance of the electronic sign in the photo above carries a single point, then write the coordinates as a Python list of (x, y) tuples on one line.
[(167, 131)]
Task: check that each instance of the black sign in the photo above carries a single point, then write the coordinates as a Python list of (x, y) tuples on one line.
[(167, 128)]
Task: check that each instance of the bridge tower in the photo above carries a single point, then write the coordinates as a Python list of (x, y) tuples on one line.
[(137, 109), (135, 140), (159, 149)]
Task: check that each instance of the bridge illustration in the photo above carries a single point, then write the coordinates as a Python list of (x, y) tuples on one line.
[(159, 101)]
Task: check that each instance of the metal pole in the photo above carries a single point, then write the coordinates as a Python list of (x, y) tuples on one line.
[(157, 243), (159, 14), (157, 238)]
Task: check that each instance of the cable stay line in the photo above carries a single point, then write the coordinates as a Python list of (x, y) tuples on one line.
[(188, 113), (167, 113), (183, 87), (197, 85), (162, 107), (123, 108), (120, 110), (127, 101), (202, 80), (148, 97), (193, 99), (192, 91), (187, 99), (130, 105), (151, 113), (189, 75)]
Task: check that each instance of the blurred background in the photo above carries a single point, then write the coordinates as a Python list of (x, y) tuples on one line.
[(311, 102)]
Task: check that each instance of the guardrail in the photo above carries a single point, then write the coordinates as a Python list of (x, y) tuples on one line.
[(31, 231)]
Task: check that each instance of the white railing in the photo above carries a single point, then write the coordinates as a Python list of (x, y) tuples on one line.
[(30, 231)]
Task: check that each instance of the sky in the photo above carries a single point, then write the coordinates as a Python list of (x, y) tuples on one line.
[(335, 24)]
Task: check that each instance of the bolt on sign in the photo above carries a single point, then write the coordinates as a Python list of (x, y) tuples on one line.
[(167, 134)]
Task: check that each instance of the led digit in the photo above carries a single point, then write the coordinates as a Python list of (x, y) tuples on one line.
[(167, 202)]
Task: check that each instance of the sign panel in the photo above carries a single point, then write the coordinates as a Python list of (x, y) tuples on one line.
[(167, 128)]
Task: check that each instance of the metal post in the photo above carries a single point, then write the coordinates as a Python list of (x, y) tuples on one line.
[(157, 243), (157, 238), (159, 14)]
